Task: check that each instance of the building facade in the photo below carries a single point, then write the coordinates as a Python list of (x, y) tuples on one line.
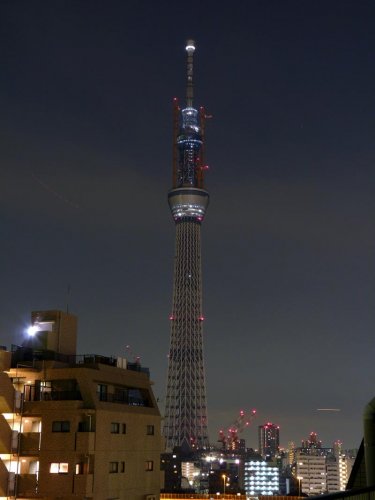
[(311, 472), (261, 479), (75, 426)]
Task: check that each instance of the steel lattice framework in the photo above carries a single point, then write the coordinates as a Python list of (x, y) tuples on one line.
[(185, 423)]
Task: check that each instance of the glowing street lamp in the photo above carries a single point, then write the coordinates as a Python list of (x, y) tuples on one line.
[(299, 479), (224, 476)]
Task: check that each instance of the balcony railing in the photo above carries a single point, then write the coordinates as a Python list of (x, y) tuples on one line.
[(27, 356), (33, 393), (125, 399)]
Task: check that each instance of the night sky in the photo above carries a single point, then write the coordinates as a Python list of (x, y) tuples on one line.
[(86, 91)]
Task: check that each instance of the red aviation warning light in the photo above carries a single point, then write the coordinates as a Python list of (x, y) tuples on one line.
[(230, 439)]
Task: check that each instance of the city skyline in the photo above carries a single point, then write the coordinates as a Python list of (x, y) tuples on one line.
[(85, 156)]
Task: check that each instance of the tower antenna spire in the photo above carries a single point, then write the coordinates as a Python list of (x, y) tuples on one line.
[(190, 48)]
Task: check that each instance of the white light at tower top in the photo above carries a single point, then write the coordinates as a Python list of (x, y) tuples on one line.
[(190, 45)]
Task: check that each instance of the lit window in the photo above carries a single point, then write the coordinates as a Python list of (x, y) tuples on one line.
[(150, 430), (79, 468), (61, 426), (59, 468), (149, 465)]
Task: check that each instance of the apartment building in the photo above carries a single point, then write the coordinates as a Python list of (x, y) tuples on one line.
[(75, 427)]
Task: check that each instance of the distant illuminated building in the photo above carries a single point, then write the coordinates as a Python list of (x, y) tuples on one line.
[(261, 479), (269, 439), (339, 467), (291, 453), (312, 441), (311, 472)]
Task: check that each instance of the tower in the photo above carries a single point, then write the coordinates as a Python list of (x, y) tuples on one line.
[(185, 422)]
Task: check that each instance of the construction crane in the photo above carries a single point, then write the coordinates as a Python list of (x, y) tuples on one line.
[(229, 438)]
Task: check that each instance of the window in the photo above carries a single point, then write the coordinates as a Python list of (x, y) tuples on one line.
[(150, 430), (61, 426), (149, 465), (59, 468), (79, 468), (115, 428), (124, 428), (122, 466), (102, 392), (113, 467)]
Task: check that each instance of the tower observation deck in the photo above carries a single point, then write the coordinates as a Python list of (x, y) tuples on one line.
[(185, 423)]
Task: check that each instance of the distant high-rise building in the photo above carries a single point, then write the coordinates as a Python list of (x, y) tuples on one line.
[(185, 422), (269, 439), (312, 442), (291, 453)]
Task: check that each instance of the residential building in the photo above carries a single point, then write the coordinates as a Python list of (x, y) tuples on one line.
[(311, 473), (75, 426)]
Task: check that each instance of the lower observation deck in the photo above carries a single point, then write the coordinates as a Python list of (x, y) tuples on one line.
[(188, 202)]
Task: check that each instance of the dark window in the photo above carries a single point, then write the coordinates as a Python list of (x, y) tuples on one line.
[(149, 465), (115, 428), (123, 428), (102, 392), (122, 466), (150, 430), (61, 426), (121, 395), (113, 467)]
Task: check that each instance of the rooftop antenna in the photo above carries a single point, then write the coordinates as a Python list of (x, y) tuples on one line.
[(190, 48)]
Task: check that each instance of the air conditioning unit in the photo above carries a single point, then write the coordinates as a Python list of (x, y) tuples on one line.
[(150, 497)]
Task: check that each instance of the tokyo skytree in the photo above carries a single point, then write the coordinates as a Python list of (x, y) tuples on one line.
[(185, 423)]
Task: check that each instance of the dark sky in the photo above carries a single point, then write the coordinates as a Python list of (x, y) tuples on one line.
[(86, 92)]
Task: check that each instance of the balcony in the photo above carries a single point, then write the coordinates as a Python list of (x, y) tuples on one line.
[(26, 485), (7, 396), (83, 485), (5, 436), (34, 393), (4, 478), (29, 443)]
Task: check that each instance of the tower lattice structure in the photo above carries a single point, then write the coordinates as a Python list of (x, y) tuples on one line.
[(185, 423)]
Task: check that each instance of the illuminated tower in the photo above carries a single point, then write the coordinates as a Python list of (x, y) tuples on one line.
[(185, 422)]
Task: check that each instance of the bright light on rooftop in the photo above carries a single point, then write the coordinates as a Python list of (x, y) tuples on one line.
[(32, 330)]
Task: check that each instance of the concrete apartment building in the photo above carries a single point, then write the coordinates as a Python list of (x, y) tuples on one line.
[(75, 427), (311, 471)]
